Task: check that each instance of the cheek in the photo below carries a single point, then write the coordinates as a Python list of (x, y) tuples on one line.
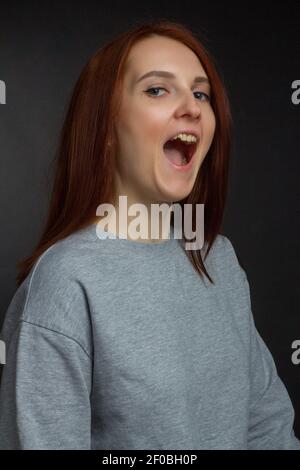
[(210, 125), (140, 130), (152, 120), (127, 137), (134, 151)]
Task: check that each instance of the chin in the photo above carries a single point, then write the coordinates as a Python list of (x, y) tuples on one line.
[(172, 188), (173, 196)]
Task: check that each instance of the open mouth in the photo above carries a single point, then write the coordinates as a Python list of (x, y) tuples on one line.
[(179, 152)]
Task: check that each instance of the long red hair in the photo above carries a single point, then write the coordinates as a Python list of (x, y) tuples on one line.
[(84, 163)]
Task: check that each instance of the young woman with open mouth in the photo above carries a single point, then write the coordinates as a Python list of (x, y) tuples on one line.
[(115, 343)]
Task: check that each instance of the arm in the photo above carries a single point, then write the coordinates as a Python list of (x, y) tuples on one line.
[(270, 410), (45, 391), (271, 414)]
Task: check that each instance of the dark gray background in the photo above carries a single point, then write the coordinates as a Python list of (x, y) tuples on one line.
[(44, 46)]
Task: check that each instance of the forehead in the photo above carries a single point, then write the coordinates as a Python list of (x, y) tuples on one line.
[(162, 53)]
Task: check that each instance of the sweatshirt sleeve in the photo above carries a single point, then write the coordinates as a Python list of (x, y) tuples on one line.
[(271, 413), (46, 381), (45, 391), (271, 417)]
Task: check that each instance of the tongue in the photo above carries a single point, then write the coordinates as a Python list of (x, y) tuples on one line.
[(173, 152), (174, 156)]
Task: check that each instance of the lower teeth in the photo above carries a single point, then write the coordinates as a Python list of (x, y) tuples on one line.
[(183, 161)]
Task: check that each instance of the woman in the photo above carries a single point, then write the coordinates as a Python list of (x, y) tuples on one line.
[(137, 343)]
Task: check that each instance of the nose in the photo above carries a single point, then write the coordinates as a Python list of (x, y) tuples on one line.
[(188, 106)]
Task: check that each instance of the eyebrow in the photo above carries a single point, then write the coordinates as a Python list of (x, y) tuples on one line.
[(164, 73)]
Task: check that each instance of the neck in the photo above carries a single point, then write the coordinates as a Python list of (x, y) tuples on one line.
[(143, 223)]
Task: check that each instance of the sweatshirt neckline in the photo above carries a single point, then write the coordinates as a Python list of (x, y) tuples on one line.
[(160, 247)]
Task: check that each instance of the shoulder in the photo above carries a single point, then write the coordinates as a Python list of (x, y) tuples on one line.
[(231, 283), (224, 261), (54, 292), (67, 262)]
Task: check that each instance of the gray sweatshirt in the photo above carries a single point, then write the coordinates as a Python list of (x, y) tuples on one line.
[(117, 344)]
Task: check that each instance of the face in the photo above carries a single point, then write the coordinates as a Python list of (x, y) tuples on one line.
[(153, 110)]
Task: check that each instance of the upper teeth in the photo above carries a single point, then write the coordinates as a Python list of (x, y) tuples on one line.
[(185, 137)]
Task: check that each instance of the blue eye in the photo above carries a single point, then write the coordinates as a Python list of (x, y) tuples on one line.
[(154, 88), (161, 88), (204, 94)]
